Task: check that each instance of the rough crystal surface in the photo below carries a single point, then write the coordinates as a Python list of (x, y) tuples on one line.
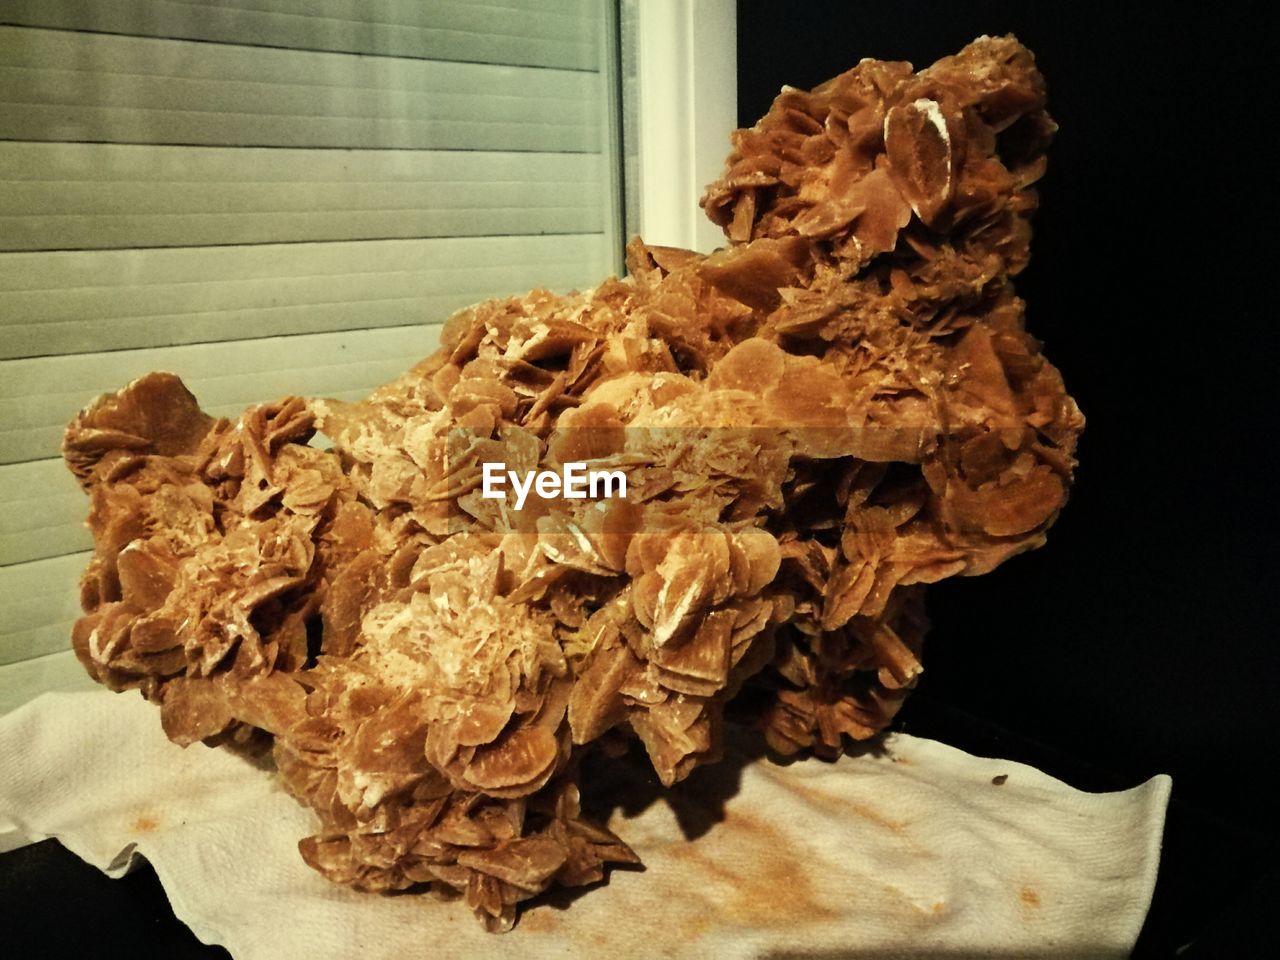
[(840, 406)]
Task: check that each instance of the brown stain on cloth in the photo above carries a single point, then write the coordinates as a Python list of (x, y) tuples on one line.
[(768, 885), (847, 806), (145, 823)]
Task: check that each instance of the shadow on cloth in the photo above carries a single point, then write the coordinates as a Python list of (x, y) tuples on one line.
[(627, 785)]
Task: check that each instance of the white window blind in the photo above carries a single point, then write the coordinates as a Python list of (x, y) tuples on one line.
[(267, 197)]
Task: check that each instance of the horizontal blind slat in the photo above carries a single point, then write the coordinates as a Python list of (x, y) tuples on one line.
[(557, 34), (35, 162), (124, 125), (20, 682), (160, 200), (52, 195), (72, 232), (42, 600), (516, 35), (78, 302), (133, 268), (42, 514), (142, 90)]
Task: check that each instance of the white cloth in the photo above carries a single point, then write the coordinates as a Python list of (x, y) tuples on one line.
[(912, 851)]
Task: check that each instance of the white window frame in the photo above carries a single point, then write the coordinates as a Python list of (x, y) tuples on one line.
[(687, 79)]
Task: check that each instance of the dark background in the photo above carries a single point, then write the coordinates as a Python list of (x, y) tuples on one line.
[(1141, 640)]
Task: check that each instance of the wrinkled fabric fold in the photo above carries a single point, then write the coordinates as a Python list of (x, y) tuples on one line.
[(905, 852)]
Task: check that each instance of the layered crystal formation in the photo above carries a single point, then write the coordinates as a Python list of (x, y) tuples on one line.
[(840, 406)]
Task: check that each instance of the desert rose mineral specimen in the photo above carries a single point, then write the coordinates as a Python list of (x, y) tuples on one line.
[(837, 408)]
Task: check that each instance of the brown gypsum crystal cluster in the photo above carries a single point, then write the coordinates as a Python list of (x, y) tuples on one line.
[(834, 410)]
